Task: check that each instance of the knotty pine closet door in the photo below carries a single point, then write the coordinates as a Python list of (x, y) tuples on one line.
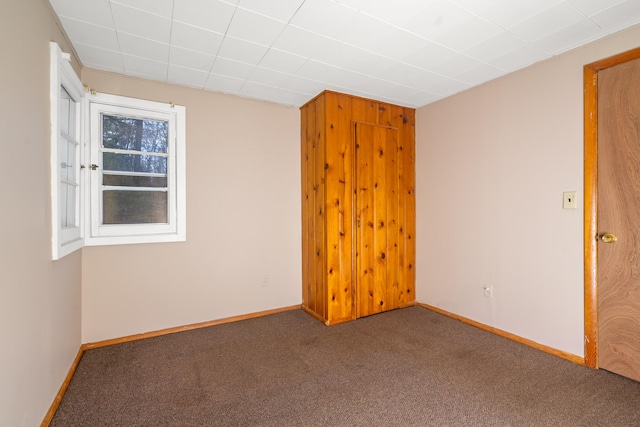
[(358, 207)]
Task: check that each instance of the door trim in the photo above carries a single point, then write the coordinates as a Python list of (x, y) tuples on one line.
[(591, 200)]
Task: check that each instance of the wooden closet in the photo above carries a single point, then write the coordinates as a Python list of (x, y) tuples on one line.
[(358, 207)]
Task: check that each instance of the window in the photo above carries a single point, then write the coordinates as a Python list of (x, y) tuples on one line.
[(66, 96), (137, 171)]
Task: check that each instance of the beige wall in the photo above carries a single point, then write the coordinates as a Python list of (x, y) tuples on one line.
[(243, 221), (39, 298), (492, 163)]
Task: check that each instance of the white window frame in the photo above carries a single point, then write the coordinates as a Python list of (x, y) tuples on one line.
[(68, 239), (111, 234)]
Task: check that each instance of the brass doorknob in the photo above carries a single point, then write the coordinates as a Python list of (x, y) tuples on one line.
[(609, 238)]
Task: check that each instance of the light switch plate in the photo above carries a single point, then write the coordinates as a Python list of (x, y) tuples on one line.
[(569, 200)]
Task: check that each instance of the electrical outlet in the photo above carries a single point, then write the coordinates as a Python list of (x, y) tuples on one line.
[(264, 280), (488, 291)]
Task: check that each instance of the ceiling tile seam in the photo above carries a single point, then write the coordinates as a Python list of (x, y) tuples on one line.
[(173, 8), (113, 21), (119, 2)]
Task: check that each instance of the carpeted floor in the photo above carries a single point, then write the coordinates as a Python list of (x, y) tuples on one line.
[(408, 367)]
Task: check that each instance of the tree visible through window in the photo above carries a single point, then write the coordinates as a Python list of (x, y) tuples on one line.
[(134, 161)]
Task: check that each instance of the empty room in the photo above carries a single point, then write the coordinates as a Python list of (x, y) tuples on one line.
[(320, 212)]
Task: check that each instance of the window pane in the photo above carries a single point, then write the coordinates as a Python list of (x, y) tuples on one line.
[(134, 163), (71, 206), (134, 207), (134, 181), (128, 133), (66, 112), (63, 155), (62, 193)]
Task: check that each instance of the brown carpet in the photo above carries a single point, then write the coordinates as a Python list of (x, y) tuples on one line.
[(408, 367)]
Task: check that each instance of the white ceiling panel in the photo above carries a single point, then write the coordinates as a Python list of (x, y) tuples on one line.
[(97, 12), (162, 8), (89, 34), (280, 60), (231, 68), (410, 51), (619, 16), (242, 50), (507, 13), (591, 7), (211, 15), (549, 21), (144, 48), (145, 68), (194, 38), (575, 35), (102, 59), (187, 76), (224, 84), (128, 20), (282, 10), (190, 59), (519, 58), (254, 27)]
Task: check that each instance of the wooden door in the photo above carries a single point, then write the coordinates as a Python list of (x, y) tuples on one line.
[(619, 215), (377, 200)]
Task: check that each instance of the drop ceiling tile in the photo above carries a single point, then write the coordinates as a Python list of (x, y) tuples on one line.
[(282, 10), (519, 58), (240, 50), (318, 71), (389, 11), (187, 76), (190, 59), (144, 48), (421, 98), (101, 59), (268, 77), (507, 13), (620, 16), (97, 12), (448, 87), (590, 7), (323, 17), (364, 31), (162, 8), (429, 55), (336, 53), (225, 84), (369, 63), (476, 30), (456, 64), (499, 45), (253, 27), (570, 37), (438, 20), (298, 84), (89, 34), (194, 38), (399, 45), (475, 6), (299, 41), (279, 60), (426, 80), (480, 74), (145, 68), (547, 22), (142, 24), (404, 74), (231, 68), (211, 15), (291, 98), (258, 91)]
